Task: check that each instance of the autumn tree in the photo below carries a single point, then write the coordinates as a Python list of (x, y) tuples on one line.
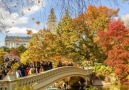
[(15, 52), (73, 40), (97, 18), (6, 49), (41, 47), (21, 49), (2, 55), (77, 35), (115, 41), (78, 7)]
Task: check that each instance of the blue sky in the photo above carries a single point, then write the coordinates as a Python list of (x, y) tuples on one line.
[(24, 17)]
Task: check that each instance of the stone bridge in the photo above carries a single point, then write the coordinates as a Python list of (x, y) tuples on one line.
[(43, 79)]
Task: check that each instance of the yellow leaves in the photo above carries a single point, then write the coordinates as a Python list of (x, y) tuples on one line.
[(38, 1), (29, 9), (39, 47), (38, 22), (29, 32), (57, 57), (33, 18), (97, 17), (96, 38), (2, 53), (48, 48), (15, 66), (25, 57)]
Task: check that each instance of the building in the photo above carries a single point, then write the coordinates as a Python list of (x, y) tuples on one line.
[(16, 41), (52, 22)]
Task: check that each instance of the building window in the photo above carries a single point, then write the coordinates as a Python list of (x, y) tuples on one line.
[(13, 44)]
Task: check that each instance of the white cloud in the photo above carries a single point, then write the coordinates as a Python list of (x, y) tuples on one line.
[(22, 20), (125, 19), (14, 19), (30, 10), (20, 31), (115, 17)]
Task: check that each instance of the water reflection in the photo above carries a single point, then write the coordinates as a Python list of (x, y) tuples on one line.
[(109, 87), (115, 87)]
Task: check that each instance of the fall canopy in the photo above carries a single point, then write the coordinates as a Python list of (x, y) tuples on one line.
[(115, 41)]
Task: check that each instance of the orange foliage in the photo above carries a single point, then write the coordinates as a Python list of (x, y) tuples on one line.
[(95, 17), (29, 32), (93, 12), (115, 36), (115, 43), (38, 22), (15, 52), (32, 18)]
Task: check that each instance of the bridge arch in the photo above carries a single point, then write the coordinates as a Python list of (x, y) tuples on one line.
[(44, 79), (62, 73)]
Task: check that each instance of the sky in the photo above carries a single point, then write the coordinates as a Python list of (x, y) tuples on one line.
[(24, 15)]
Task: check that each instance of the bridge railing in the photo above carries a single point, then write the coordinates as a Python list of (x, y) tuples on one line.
[(42, 79)]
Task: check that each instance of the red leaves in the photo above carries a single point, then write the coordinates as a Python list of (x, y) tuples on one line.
[(116, 28), (118, 71), (115, 41), (15, 52), (116, 25), (121, 70), (117, 34)]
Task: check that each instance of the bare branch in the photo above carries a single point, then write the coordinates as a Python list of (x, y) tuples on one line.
[(5, 3)]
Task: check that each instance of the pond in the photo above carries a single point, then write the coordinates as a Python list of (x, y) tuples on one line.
[(114, 87), (109, 87)]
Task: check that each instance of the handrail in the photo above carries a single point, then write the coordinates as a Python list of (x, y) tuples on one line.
[(43, 79)]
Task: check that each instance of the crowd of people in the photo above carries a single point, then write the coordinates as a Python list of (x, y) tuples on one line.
[(32, 68)]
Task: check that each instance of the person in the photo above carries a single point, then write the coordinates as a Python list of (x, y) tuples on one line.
[(38, 67), (23, 70), (50, 66), (34, 67), (31, 71), (59, 64), (1, 75), (44, 65), (4, 72), (18, 73), (27, 71)]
